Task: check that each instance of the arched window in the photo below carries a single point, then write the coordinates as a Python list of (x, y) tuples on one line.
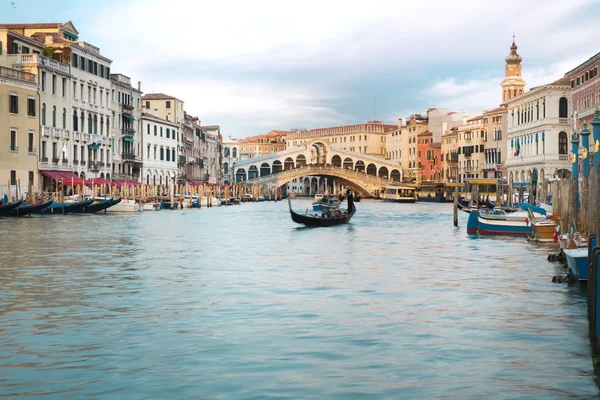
[(64, 119), (563, 108), (234, 152), (102, 126), (44, 114), (82, 124), (563, 143)]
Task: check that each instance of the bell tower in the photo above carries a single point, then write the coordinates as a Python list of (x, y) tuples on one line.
[(513, 84)]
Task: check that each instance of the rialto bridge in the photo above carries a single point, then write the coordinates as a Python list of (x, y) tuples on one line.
[(319, 164)]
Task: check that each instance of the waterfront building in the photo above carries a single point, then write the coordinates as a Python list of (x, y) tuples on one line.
[(416, 125), (259, 145), (76, 109), (170, 109), (231, 150), (19, 127), (126, 141), (368, 138), (213, 157), (159, 159), (396, 145), (441, 121), (471, 156), (585, 90), (192, 161), (539, 132), (449, 156), (429, 154), (494, 144)]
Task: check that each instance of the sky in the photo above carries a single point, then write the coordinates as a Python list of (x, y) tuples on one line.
[(254, 66)]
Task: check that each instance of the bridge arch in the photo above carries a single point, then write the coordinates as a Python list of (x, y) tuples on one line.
[(383, 172), (336, 161), (372, 169), (288, 164), (252, 172), (240, 175), (276, 168), (265, 169), (395, 175), (300, 160), (348, 163), (359, 166)]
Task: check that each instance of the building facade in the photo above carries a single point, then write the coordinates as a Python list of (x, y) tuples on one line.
[(19, 132), (539, 132), (429, 154), (396, 145), (415, 126), (213, 157), (231, 151), (449, 157), (471, 155), (126, 141), (259, 145), (159, 143), (494, 145), (585, 90)]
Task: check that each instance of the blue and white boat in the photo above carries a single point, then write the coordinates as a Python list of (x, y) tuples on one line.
[(325, 203), (578, 262), (500, 222)]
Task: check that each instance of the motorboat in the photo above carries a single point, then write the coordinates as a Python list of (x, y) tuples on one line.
[(578, 262), (500, 222), (126, 205), (399, 194), (325, 203)]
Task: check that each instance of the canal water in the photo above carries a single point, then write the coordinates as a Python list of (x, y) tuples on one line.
[(240, 303)]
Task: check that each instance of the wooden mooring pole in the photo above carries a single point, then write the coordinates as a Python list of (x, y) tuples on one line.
[(456, 205)]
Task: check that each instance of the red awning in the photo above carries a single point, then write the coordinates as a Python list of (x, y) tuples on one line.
[(66, 177), (195, 182), (96, 181), (120, 183)]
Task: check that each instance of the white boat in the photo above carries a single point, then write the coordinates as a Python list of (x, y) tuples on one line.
[(215, 202), (152, 206), (126, 206), (326, 203), (399, 194)]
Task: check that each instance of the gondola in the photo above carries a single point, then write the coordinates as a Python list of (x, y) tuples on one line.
[(64, 208), (6, 207), (28, 209), (320, 221), (98, 205)]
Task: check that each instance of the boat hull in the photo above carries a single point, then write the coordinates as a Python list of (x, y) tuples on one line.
[(8, 207), (28, 209), (65, 208), (543, 231), (315, 220), (101, 205), (578, 263), (126, 206), (407, 200)]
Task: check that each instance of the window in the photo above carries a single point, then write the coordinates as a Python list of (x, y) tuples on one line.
[(64, 87), (74, 89), (563, 147), (161, 131), (148, 130), (31, 178), (173, 154), (168, 104), (75, 121), (81, 92), (54, 116), (168, 133), (13, 104), (147, 104), (31, 107), (44, 150), (563, 108), (44, 114), (75, 61), (90, 66), (64, 118), (30, 142), (43, 81), (148, 152), (53, 84), (13, 140), (13, 178), (155, 152), (168, 155), (155, 130)]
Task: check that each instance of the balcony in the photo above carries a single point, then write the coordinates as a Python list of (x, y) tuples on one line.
[(75, 162), (55, 133), (128, 157), (16, 74), (65, 161), (87, 137), (65, 134), (44, 159), (536, 159), (77, 136), (107, 165), (182, 160), (101, 164), (128, 132), (490, 166), (94, 166), (55, 160), (46, 131), (540, 123), (83, 163), (38, 59)]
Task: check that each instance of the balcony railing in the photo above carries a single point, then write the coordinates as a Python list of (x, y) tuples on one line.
[(490, 166), (16, 74), (83, 162), (101, 163), (46, 131), (128, 132), (128, 156), (563, 121), (39, 59), (55, 133), (55, 160), (65, 161), (77, 136), (94, 166), (44, 159), (75, 162), (65, 134)]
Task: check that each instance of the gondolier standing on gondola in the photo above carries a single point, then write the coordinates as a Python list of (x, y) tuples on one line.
[(350, 199)]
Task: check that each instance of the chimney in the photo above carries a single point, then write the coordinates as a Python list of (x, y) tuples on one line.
[(399, 122), (140, 86)]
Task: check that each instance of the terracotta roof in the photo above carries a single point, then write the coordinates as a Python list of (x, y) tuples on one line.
[(475, 118), (495, 110), (436, 144), (565, 80), (157, 96), (30, 26), (426, 133)]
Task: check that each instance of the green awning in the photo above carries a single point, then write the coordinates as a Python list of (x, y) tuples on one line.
[(129, 117), (128, 139), (93, 147)]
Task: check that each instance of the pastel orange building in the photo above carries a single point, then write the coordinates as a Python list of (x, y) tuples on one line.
[(429, 157)]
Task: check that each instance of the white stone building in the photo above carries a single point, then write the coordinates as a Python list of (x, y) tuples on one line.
[(213, 157), (539, 132), (231, 150), (159, 154)]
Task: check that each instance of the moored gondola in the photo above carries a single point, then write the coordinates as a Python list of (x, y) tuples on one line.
[(28, 209), (98, 205), (7, 207), (64, 208)]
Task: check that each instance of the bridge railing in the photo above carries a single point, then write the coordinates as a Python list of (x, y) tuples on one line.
[(316, 169)]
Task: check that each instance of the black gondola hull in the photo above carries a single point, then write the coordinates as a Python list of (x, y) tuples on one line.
[(8, 207), (28, 209)]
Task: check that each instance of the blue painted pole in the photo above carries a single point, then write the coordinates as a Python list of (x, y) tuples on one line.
[(596, 144), (585, 147), (575, 165)]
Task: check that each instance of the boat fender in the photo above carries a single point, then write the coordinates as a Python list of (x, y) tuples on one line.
[(337, 213)]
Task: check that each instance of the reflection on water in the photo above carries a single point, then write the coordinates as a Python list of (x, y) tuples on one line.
[(239, 302)]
